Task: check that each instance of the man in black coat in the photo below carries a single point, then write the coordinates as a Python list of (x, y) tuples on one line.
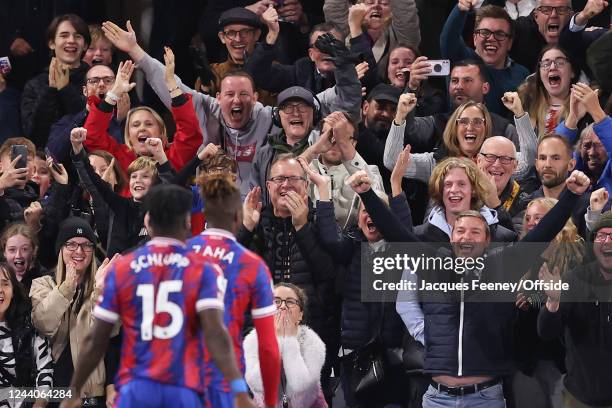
[(284, 235)]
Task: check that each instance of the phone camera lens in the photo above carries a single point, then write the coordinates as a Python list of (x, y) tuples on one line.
[(437, 67)]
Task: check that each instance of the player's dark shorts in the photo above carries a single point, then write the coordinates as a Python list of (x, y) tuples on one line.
[(142, 393)]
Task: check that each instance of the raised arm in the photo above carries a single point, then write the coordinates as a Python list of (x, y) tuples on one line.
[(385, 221), (96, 186), (527, 137), (452, 45), (337, 12), (421, 164), (405, 23), (50, 302), (346, 94), (554, 221)]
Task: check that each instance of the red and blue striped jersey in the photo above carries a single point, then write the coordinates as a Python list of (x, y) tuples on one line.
[(156, 292), (249, 284)]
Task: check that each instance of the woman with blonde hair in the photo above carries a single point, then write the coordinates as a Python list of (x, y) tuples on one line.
[(567, 249), (457, 185), (539, 359), (143, 123), (62, 305), (466, 130)]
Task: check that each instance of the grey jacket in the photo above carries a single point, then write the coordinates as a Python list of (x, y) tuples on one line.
[(244, 143), (346, 201), (403, 29)]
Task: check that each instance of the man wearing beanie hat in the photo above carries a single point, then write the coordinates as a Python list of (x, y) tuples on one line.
[(583, 315)]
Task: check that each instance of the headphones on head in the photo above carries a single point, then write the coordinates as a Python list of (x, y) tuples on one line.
[(316, 113)]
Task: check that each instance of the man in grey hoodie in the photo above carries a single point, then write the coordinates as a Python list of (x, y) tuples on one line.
[(234, 119)]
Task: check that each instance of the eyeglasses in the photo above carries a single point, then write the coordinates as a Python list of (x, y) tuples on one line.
[(290, 108), (290, 179), (492, 158), (561, 10), (108, 80), (498, 35), (242, 33), (476, 122), (73, 246), (289, 302), (559, 63), (381, 2), (603, 236)]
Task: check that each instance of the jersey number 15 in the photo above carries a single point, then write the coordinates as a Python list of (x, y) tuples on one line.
[(152, 305)]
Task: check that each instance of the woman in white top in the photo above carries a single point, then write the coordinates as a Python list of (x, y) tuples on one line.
[(302, 354)]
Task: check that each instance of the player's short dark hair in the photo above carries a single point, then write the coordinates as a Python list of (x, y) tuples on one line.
[(167, 206)]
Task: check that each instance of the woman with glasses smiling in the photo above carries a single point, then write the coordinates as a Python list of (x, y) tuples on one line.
[(302, 354), (62, 305), (466, 130)]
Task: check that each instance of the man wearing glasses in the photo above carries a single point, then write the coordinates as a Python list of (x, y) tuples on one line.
[(493, 36), (542, 27), (497, 159), (284, 234), (99, 79), (583, 315), (239, 30)]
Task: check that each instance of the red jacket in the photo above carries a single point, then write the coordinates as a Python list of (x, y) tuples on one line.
[(186, 141)]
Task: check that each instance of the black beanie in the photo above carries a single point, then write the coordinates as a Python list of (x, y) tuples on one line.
[(74, 227)]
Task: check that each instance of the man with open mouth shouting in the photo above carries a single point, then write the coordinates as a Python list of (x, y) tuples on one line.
[(234, 119), (493, 36)]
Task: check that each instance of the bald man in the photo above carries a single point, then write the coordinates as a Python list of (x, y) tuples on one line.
[(497, 158)]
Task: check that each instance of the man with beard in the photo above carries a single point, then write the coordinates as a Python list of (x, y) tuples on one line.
[(583, 315), (239, 30), (99, 79), (378, 110), (235, 119), (554, 161)]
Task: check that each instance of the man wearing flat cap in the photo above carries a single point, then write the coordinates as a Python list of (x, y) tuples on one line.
[(239, 30)]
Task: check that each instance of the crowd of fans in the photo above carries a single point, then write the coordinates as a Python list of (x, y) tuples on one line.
[(316, 133)]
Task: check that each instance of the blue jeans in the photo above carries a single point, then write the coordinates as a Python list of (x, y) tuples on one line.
[(492, 397), (144, 393)]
